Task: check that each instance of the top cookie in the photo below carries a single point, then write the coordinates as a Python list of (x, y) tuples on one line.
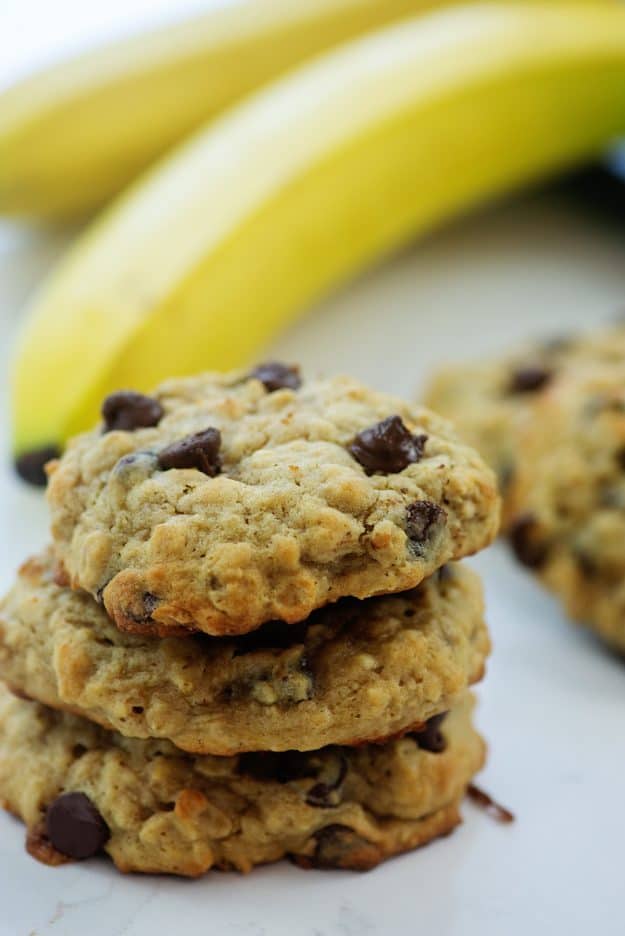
[(222, 502)]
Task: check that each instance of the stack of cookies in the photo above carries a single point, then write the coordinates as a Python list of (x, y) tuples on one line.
[(250, 638), (550, 418)]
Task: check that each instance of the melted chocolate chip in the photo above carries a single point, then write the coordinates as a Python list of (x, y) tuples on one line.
[(528, 379), (388, 447), (274, 635), (277, 376), (525, 541), (128, 410), (339, 846), (200, 450), (320, 796), (75, 827), (282, 766), (431, 737), (331, 773), (620, 458), (423, 520), (31, 465)]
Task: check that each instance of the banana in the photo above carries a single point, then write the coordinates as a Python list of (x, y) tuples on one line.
[(203, 260), (75, 134)]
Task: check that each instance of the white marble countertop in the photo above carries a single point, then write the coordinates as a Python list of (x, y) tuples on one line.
[(553, 701)]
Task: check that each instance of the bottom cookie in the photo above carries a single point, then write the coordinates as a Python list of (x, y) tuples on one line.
[(153, 808)]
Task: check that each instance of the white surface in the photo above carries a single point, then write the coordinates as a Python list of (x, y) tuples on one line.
[(552, 704)]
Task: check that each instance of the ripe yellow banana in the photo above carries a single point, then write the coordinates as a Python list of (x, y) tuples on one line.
[(300, 186), (75, 134)]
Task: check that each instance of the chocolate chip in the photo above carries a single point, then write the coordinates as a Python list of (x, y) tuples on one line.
[(529, 378), (332, 771), (423, 520), (620, 458), (431, 737), (30, 466), (75, 827), (446, 573), (388, 446), (525, 541), (277, 376), (129, 410), (142, 610), (338, 846), (322, 796), (274, 635), (586, 563), (282, 766), (200, 450)]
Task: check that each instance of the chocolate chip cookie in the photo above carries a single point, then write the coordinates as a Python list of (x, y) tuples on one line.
[(569, 497), (492, 401), (222, 502), (155, 809), (552, 421), (354, 671)]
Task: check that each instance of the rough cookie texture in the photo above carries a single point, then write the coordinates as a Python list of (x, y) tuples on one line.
[(285, 511), (159, 810), (569, 497), (493, 401), (560, 443), (354, 671)]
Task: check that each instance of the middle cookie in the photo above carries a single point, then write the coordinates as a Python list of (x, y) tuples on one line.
[(353, 672)]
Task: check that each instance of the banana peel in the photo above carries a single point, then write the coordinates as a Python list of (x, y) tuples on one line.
[(306, 183)]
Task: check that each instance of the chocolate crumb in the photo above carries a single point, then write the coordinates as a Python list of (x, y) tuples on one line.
[(488, 804)]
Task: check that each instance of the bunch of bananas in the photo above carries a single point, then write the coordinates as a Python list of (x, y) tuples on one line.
[(272, 202)]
